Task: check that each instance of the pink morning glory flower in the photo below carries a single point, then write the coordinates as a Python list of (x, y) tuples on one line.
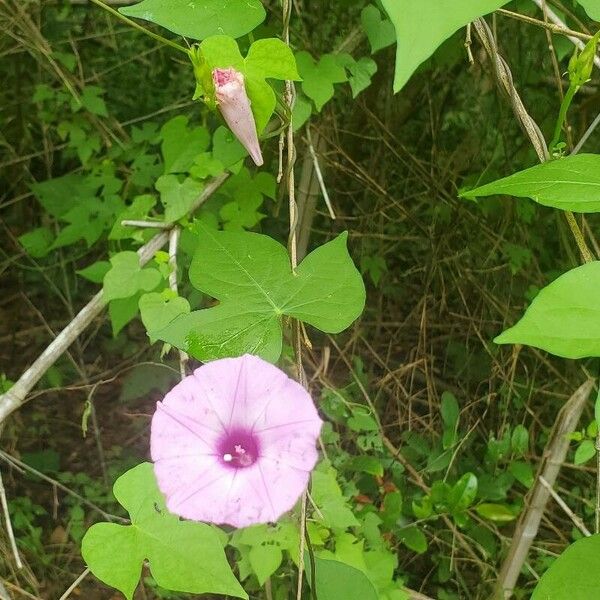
[(234, 443), (234, 105)]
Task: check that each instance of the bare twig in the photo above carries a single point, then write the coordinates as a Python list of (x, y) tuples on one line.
[(173, 245), (74, 585), (9, 530), (319, 174), (147, 224), (586, 135), (554, 456), (17, 395), (576, 519), (558, 21)]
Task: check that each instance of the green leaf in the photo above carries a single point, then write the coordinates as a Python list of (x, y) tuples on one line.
[(184, 556), (199, 19), (585, 451), (91, 100), (592, 8), (139, 209), (182, 144), (227, 149), (318, 78), (495, 512), (38, 242), (519, 441), (95, 272), (379, 31), (570, 183), (335, 580), (463, 493), (144, 378), (412, 537), (58, 195), (360, 71), (126, 277), (574, 575), (327, 495), (365, 464), (450, 413), (564, 318), (422, 26), (177, 198), (122, 311), (251, 277), (265, 560), (522, 472), (158, 310)]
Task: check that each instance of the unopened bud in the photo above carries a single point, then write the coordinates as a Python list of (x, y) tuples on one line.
[(234, 104)]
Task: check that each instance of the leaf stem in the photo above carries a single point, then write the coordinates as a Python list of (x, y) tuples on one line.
[(562, 115), (135, 25)]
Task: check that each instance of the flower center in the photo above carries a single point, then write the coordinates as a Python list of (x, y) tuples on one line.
[(238, 449)]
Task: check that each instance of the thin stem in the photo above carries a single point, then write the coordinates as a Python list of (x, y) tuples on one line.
[(74, 585), (578, 235), (552, 27), (132, 23), (562, 115)]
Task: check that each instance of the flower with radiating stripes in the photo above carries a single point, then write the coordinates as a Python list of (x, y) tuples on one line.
[(234, 443)]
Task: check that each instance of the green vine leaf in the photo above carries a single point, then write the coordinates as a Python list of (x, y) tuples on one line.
[(182, 144), (126, 277), (592, 8), (379, 31), (570, 183), (335, 580), (564, 580), (268, 58), (422, 26), (177, 198), (183, 556), (360, 70), (199, 19), (564, 318), (250, 275), (318, 77), (159, 309)]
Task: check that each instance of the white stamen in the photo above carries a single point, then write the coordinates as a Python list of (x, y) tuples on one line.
[(227, 457), (239, 449)]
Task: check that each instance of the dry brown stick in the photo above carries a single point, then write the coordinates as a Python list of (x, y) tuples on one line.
[(17, 395), (529, 521)]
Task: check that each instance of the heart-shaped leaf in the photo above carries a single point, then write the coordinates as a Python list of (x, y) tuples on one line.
[(422, 26), (183, 556)]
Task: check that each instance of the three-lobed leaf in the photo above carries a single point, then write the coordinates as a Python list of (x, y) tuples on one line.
[(199, 19), (126, 276), (183, 556), (250, 275), (422, 26), (570, 183), (564, 318), (379, 31)]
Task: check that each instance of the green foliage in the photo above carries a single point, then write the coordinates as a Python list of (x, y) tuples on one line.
[(334, 580), (126, 276), (422, 26), (199, 19), (565, 579), (318, 77), (562, 318), (183, 556), (250, 274), (379, 31), (592, 7), (268, 58), (571, 183)]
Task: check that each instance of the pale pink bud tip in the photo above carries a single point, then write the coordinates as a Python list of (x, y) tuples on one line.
[(234, 443), (234, 105)]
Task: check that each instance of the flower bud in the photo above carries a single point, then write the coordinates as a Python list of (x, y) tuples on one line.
[(234, 104)]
